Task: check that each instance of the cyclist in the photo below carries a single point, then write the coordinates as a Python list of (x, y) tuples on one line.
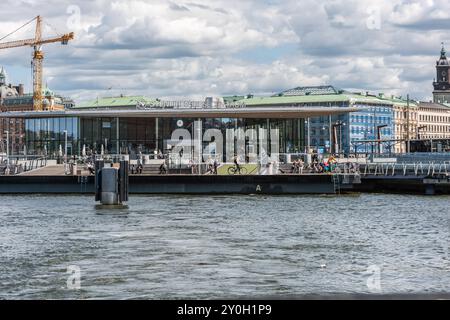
[(236, 163)]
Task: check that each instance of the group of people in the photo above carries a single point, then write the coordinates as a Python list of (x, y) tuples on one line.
[(11, 169), (327, 165), (316, 165), (213, 165), (298, 166), (137, 169)]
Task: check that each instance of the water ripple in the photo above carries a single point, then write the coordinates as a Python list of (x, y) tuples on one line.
[(223, 246)]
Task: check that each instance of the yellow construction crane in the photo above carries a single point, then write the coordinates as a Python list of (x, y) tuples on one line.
[(38, 55)]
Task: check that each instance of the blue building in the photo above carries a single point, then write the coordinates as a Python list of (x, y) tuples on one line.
[(349, 132)]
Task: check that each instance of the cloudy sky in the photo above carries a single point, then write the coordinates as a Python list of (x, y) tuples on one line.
[(193, 48)]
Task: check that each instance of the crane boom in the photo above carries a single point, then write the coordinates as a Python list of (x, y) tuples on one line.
[(38, 57), (18, 43), (32, 42)]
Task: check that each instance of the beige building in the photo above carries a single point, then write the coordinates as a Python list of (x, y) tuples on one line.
[(406, 120), (434, 121)]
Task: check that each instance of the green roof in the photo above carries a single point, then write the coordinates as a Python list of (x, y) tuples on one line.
[(112, 102), (231, 99), (325, 94), (398, 101), (325, 98), (294, 99)]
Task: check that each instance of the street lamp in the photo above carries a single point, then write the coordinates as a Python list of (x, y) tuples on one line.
[(65, 150), (340, 134), (379, 136), (338, 146), (322, 134), (308, 135), (7, 147)]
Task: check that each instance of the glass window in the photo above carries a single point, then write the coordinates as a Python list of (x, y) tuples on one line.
[(75, 128), (62, 127), (69, 128)]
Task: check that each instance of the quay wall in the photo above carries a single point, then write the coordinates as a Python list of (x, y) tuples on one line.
[(208, 184), (175, 184), (400, 184)]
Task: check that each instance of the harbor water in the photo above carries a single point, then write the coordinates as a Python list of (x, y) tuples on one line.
[(163, 247)]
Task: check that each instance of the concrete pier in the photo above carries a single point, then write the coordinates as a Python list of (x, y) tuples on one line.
[(232, 184), (403, 185), (177, 184)]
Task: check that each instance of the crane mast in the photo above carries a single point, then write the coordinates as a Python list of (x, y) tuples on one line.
[(38, 57)]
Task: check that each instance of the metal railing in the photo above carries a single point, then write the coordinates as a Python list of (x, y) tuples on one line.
[(407, 169), (17, 165)]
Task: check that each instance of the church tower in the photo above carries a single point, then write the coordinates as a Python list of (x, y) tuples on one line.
[(441, 93), (2, 77)]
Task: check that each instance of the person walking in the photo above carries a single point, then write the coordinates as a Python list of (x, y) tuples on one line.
[(163, 168)]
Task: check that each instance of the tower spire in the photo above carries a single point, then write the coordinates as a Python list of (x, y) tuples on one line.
[(2, 76), (441, 93)]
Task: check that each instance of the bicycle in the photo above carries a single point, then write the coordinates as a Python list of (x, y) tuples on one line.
[(234, 170)]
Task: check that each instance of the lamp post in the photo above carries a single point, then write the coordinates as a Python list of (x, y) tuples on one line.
[(7, 147), (338, 146), (308, 135), (65, 151), (322, 135), (379, 136), (340, 135)]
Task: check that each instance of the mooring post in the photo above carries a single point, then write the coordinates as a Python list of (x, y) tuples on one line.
[(111, 183), (99, 164)]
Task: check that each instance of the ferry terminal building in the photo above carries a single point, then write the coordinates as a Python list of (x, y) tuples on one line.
[(316, 118)]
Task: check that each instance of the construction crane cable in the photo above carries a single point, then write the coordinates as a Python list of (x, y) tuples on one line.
[(53, 28), (18, 29)]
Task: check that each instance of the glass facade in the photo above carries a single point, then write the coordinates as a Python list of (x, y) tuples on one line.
[(354, 127), (47, 136), (364, 125), (132, 136)]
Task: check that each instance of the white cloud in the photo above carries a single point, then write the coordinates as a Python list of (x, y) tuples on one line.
[(191, 47)]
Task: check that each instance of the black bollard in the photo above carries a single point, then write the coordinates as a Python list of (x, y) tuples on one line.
[(111, 184)]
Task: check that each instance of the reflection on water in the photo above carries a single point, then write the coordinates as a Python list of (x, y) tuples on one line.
[(223, 246)]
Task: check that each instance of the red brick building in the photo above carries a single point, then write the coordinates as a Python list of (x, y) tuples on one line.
[(13, 99)]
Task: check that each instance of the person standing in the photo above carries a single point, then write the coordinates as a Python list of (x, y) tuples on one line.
[(216, 165), (163, 168), (301, 164)]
